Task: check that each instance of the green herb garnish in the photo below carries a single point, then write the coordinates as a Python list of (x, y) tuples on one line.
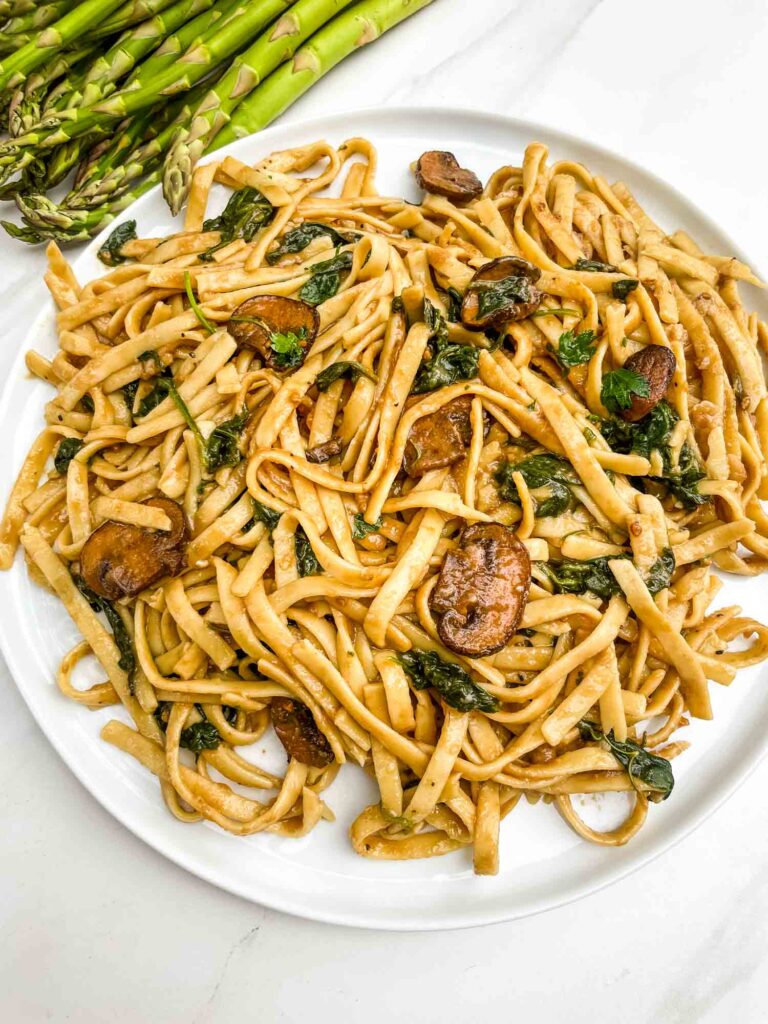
[(195, 306), (67, 450), (247, 211), (452, 682), (326, 279), (595, 267), (539, 471), (654, 771), (574, 349), (287, 348), (110, 253), (619, 386), (263, 514), (344, 369), (299, 238), (121, 636), (306, 559), (361, 529)]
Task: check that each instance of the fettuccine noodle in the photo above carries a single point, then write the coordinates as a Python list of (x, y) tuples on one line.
[(299, 581)]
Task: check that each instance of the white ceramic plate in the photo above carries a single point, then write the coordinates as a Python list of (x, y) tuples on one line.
[(543, 864)]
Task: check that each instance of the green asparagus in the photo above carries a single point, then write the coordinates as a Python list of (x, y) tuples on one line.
[(134, 45), (55, 37), (355, 27), (245, 73), (134, 91)]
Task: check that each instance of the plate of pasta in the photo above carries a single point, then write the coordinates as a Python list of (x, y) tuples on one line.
[(383, 535)]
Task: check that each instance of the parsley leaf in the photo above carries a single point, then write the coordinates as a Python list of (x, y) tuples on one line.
[(618, 387), (287, 347), (574, 349)]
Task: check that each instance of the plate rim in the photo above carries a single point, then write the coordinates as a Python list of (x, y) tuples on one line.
[(286, 901)]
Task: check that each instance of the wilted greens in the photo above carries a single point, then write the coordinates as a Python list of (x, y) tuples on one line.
[(454, 685)]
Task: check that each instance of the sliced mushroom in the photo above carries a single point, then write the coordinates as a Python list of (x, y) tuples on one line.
[(657, 365), (120, 560), (482, 590), (439, 439), (324, 452), (439, 172), (297, 731), (256, 321), (501, 291)]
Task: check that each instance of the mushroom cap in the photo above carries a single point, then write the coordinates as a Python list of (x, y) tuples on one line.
[(298, 732), (657, 365), (120, 559), (439, 439), (439, 172), (273, 314), (512, 308), (482, 590)]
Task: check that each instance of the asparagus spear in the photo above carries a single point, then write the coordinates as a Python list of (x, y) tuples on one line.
[(130, 13), (189, 36), (40, 16), (24, 108), (353, 28), (134, 152), (14, 8), (134, 45), (9, 44), (55, 37), (77, 226), (250, 18), (245, 73)]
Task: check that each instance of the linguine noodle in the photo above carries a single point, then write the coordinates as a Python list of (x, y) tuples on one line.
[(313, 564)]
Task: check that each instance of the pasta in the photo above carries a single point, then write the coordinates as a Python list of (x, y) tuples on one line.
[(435, 489)]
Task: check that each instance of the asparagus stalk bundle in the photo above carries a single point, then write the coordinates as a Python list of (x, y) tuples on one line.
[(133, 92)]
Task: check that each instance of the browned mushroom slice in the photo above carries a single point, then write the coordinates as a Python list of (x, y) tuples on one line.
[(324, 452), (119, 560), (439, 172), (657, 365), (482, 590), (440, 439), (296, 729), (501, 291), (280, 329)]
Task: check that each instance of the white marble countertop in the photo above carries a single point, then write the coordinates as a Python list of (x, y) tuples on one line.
[(96, 927)]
